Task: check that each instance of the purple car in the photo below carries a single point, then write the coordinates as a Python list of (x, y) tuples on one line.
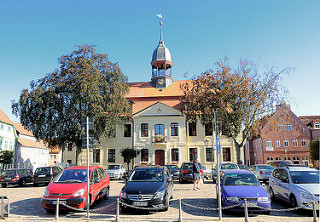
[(236, 185)]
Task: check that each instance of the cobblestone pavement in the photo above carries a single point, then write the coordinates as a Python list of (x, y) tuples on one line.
[(26, 206)]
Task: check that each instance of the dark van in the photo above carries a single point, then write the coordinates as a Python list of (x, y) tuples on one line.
[(45, 174), (16, 176), (279, 163)]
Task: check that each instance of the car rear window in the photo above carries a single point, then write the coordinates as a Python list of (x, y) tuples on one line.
[(229, 166), (9, 173), (265, 167), (43, 170), (187, 166), (113, 167)]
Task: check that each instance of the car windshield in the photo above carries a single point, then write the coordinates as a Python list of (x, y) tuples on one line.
[(9, 173), (242, 167), (113, 167), (237, 179), (229, 166), (265, 167), (304, 176), (43, 170), (147, 175), (72, 176)]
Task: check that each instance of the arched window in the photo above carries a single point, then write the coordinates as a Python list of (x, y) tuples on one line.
[(269, 159)]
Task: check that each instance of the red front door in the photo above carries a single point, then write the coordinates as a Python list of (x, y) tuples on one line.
[(160, 157)]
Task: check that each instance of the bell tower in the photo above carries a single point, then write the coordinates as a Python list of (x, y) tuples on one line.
[(161, 63)]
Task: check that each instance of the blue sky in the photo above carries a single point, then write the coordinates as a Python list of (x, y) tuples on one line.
[(34, 34)]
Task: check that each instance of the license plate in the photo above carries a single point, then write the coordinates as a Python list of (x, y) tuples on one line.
[(7, 178), (60, 202), (41, 175), (142, 204), (250, 204)]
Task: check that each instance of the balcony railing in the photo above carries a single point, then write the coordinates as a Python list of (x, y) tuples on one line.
[(159, 139)]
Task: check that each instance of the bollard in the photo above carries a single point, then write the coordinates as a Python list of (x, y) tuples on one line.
[(57, 210), (2, 208), (314, 212), (180, 211), (246, 218), (117, 213)]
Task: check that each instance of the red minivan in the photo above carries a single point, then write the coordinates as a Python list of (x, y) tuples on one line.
[(70, 186)]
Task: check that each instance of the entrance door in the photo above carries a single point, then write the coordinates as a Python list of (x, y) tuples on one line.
[(160, 157)]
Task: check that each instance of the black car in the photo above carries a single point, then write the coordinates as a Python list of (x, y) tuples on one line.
[(186, 172), (148, 187), (279, 163), (16, 176), (174, 171), (45, 174)]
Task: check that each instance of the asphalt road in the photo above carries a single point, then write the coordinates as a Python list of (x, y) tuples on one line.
[(26, 206)]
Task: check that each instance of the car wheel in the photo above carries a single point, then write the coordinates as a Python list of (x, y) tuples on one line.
[(166, 204), (180, 180), (4, 185), (213, 180), (22, 183), (293, 201), (272, 196), (106, 196), (86, 207), (171, 194), (35, 184), (267, 212), (49, 211)]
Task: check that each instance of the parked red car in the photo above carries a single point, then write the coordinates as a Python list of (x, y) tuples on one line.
[(70, 186)]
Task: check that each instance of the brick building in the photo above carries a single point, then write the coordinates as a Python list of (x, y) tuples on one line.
[(282, 136)]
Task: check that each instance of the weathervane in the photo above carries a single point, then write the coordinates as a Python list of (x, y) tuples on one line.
[(160, 21)]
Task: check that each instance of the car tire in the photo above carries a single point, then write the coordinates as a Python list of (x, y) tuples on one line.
[(267, 212), (180, 180), (22, 182), (86, 207), (271, 192), (4, 185), (35, 184), (106, 196), (214, 181), (293, 201), (166, 204)]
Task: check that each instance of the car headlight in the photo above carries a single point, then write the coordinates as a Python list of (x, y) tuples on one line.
[(79, 193), (123, 195), (305, 194), (233, 198), (263, 199), (46, 193), (159, 194)]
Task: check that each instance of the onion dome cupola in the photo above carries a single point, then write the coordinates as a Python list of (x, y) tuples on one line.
[(161, 63)]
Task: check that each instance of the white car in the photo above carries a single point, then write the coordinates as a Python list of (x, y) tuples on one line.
[(298, 186), (116, 171)]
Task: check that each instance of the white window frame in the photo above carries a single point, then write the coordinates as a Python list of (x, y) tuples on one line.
[(269, 143), (294, 142), (317, 125), (280, 127), (303, 143), (277, 143), (289, 127), (284, 143)]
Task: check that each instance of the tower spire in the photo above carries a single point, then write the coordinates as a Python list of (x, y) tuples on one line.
[(160, 22)]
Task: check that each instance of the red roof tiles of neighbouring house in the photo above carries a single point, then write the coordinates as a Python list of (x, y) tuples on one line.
[(21, 129), (4, 118), (31, 143)]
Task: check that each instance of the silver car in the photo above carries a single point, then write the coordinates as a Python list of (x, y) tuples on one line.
[(262, 171), (116, 171), (298, 186)]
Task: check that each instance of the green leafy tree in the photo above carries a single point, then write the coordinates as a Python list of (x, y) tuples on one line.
[(129, 154), (314, 149), (85, 84), (6, 157), (240, 96)]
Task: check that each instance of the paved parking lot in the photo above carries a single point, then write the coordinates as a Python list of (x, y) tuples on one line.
[(26, 206)]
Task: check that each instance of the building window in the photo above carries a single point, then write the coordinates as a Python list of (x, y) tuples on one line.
[(5, 144), (174, 129), (127, 130), (53, 157), (193, 129), (159, 129), (112, 133), (269, 143), (277, 143), (9, 128), (280, 127), (70, 147), (278, 158), (96, 156), (111, 155), (305, 161), (286, 143), (144, 155), (287, 158), (296, 160), (289, 126), (174, 155), (269, 159), (295, 143), (317, 125), (226, 154), (2, 126), (69, 161), (209, 155), (208, 129), (303, 142), (193, 155), (144, 130), (11, 145)]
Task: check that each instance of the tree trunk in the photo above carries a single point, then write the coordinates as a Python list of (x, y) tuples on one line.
[(238, 151)]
